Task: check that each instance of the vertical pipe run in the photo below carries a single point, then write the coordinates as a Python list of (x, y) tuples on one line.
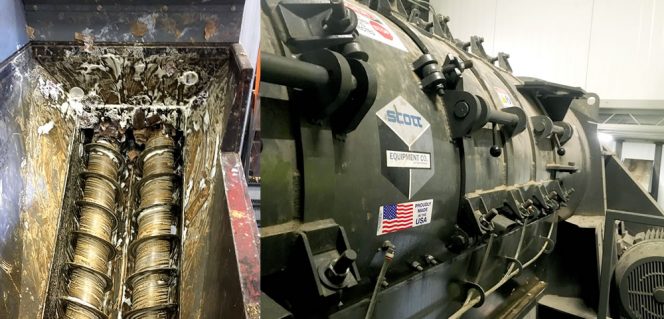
[(154, 280), (656, 170), (93, 249), (619, 149)]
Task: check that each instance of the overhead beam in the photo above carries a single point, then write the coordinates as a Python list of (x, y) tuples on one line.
[(633, 132)]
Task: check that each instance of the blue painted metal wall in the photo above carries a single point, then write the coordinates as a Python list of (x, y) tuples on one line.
[(12, 27)]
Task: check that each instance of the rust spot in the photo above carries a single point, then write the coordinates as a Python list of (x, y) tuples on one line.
[(170, 25), (139, 28), (210, 30), (139, 119), (30, 31), (236, 214), (132, 154), (253, 310)]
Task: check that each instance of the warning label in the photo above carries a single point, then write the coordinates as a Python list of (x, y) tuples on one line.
[(504, 96), (369, 24)]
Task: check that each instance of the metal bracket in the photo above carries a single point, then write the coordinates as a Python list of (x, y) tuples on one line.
[(477, 48), (440, 26), (503, 62), (316, 25), (554, 99)]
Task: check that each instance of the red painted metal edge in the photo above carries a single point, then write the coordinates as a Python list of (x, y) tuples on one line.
[(245, 232)]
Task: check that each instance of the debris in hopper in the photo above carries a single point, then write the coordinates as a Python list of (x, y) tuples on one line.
[(188, 78), (87, 38), (186, 195), (76, 92), (30, 31), (46, 128)]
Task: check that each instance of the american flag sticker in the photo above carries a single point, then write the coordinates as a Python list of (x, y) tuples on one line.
[(395, 217)]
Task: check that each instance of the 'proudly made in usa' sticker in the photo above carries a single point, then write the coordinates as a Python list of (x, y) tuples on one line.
[(395, 217)]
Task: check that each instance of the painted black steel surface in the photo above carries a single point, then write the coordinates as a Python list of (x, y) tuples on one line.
[(312, 175)]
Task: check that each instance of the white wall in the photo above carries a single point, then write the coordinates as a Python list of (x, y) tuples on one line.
[(610, 47), (12, 27)]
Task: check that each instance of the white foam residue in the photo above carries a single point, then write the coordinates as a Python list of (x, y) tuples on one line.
[(186, 195), (201, 184), (114, 62), (154, 153), (206, 118), (139, 67), (44, 129), (149, 20), (89, 67), (50, 90)]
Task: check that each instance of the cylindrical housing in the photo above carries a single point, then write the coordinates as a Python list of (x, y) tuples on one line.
[(292, 72)]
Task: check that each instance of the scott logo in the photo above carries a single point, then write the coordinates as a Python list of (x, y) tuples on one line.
[(403, 118)]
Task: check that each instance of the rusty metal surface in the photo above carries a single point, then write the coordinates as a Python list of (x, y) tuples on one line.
[(135, 21), (34, 166), (208, 239), (238, 115), (40, 163), (201, 233), (244, 237)]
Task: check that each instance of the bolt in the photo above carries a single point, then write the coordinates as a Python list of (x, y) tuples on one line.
[(461, 110), (539, 126), (528, 203), (561, 151), (416, 265), (440, 90), (384, 283), (345, 261), (659, 295), (431, 260), (491, 214)]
